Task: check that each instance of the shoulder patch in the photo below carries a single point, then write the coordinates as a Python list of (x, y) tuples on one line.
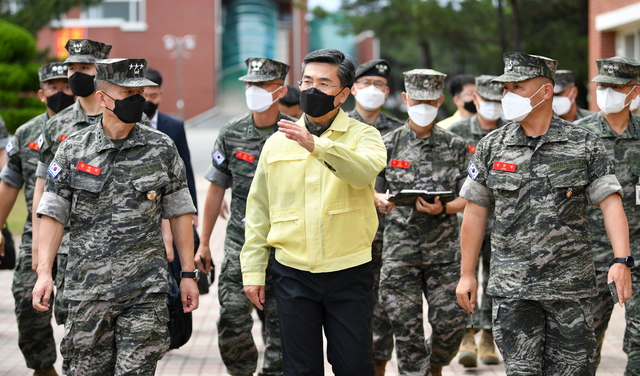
[(54, 169), (472, 170), (218, 157), (40, 140), (9, 147)]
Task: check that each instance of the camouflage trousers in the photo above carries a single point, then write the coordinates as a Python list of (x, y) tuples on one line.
[(631, 344), (401, 287), (107, 338), (546, 337), (35, 332), (380, 323), (602, 307), (235, 340), (61, 306)]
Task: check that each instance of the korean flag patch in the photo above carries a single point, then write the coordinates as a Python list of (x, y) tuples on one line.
[(473, 171), (40, 141), (218, 157), (54, 169), (9, 147)]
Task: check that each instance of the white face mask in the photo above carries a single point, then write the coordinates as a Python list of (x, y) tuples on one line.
[(422, 114), (635, 103), (610, 101), (517, 108), (370, 98), (561, 105), (258, 99), (490, 111)]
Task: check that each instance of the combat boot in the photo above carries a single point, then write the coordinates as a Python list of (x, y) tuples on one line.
[(436, 370), (468, 350), (48, 371), (487, 348), (379, 367)]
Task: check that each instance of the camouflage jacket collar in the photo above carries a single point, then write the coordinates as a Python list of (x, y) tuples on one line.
[(413, 139), (103, 142), (632, 131), (476, 129), (254, 134), (555, 133), (80, 117), (382, 121)]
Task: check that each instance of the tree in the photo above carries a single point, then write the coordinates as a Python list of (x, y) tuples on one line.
[(33, 15)]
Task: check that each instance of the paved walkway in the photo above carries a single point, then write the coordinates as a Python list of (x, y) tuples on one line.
[(200, 356)]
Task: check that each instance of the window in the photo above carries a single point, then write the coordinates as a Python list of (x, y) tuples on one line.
[(631, 45), (128, 15)]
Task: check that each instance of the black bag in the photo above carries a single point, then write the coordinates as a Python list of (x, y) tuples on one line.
[(9, 259), (180, 323)]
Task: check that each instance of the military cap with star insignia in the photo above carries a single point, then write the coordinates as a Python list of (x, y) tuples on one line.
[(123, 72), (260, 69), (488, 89), (86, 51), (52, 71), (424, 84), (617, 70), (519, 67), (375, 67), (563, 79)]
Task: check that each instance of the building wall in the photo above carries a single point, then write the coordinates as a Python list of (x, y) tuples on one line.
[(602, 44), (166, 17)]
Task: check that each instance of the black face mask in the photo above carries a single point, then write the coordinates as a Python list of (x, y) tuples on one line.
[(470, 106), (315, 103), (59, 101), (150, 109), (82, 84), (130, 109)]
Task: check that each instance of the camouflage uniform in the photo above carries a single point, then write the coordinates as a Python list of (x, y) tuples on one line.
[(382, 333), (542, 275), (418, 261), (235, 158), (4, 134), (56, 130), (624, 151), (116, 280), (35, 333)]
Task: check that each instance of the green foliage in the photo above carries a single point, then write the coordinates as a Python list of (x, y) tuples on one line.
[(13, 77), (16, 43), (36, 14), (15, 117)]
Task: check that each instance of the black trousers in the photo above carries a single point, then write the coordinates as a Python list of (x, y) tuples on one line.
[(340, 302)]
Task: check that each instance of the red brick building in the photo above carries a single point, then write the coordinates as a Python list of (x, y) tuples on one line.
[(614, 30)]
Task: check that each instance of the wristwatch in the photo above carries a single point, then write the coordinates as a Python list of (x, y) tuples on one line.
[(443, 213), (194, 274), (628, 261)]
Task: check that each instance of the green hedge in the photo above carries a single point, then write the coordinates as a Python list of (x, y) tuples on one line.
[(15, 117), (16, 43), (13, 77)]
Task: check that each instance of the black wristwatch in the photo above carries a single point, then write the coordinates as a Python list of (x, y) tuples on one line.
[(628, 261), (443, 213), (194, 274)]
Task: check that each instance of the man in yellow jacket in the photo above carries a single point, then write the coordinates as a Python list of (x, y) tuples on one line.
[(312, 200)]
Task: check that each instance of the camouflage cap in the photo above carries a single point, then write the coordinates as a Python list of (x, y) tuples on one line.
[(86, 51), (564, 78), (376, 67), (52, 71), (519, 67), (123, 72), (617, 70), (260, 69), (488, 89), (424, 84)]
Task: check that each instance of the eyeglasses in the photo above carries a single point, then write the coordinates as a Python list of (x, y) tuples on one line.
[(305, 84), (378, 84)]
